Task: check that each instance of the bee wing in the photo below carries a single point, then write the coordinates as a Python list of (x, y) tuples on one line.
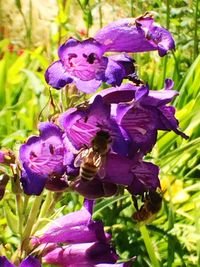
[(102, 169), (80, 157)]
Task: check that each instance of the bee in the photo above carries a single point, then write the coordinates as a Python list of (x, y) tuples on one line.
[(91, 160), (152, 205)]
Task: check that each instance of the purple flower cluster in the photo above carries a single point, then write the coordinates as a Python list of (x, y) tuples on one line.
[(131, 115), (99, 146)]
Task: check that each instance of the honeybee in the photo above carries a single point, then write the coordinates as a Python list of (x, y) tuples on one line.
[(91, 160), (152, 205)]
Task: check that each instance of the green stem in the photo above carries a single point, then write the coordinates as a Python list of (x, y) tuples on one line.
[(170, 246), (45, 205), (100, 15), (47, 209), (197, 224), (55, 199), (26, 199), (132, 8), (167, 26), (43, 212), (149, 246), (30, 222), (195, 31), (19, 207)]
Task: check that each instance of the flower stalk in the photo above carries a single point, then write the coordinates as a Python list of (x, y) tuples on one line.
[(151, 251)]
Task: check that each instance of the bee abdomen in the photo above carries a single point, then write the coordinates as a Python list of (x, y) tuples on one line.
[(88, 171)]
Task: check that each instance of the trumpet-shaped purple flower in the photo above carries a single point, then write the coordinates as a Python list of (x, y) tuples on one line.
[(83, 63), (82, 123), (75, 227), (135, 35), (43, 158), (142, 112), (134, 174), (84, 241), (30, 261), (86, 254)]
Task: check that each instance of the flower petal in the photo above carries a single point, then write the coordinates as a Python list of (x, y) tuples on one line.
[(135, 35), (95, 188), (5, 263), (30, 261), (42, 157), (87, 87), (145, 178), (33, 184), (56, 76), (87, 254), (83, 59)]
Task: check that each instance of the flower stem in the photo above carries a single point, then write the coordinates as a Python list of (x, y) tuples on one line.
[(19, 207), (149, 247), (45, 205), (46, 210), (30, 222)]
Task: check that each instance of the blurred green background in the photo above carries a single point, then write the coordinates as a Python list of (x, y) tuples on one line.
[(30, 33)]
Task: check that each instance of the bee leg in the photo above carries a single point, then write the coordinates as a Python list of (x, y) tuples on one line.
[(135, 202), (144, 196)]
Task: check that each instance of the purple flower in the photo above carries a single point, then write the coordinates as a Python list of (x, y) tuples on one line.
[(141, 112), (95, 188), (85, 254), (134, 174), (83, 63), (84, 242), (30, 261), (82, 123), (73, 228), (43, 158), (137, 175), (135, 35)]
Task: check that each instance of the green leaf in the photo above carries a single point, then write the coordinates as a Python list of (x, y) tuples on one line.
[(11, 218)]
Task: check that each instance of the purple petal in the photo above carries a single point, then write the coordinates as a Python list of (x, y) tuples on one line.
[(89, 205), (30, 261), (86, 254), (81, 125), (83, 59), (124, 93), (33, 184), (118, 68), (122, 173), (42, 157), (95, 188), (140, 123), (75, 227), (56, 76), (135, 35), (5, 263), (145, 178), (168, 121), (87, 87), (73, 46), (57, 184), (161, 97)]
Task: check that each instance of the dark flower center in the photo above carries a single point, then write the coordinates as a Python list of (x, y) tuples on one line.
[(90, 58)]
